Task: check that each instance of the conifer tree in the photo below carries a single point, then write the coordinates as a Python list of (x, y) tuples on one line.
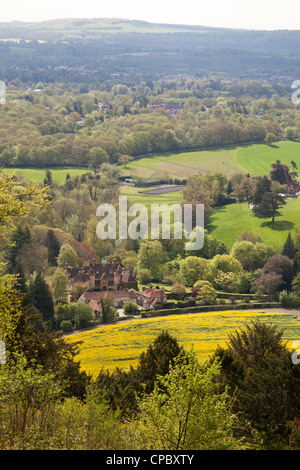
[(157, 359), (267, 199), (40, 296), (53, 247), (20, 237), (288, 248)]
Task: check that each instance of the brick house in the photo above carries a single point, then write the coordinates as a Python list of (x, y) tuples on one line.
[(120, 297), (105, 276), (150, 297)]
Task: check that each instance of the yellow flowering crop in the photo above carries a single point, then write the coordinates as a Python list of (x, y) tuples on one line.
[(119, 345)]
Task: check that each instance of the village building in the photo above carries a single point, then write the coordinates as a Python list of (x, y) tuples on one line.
[(103, 276), (147, 298), (172, 106), (151, 297), (120, 297)]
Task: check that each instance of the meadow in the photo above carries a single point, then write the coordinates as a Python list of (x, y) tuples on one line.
[(227, 222), (120, 345), (254, 159)]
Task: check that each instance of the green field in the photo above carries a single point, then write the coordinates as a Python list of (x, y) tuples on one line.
[(227, 222), (120, 345), (254, 159), (38, 174), (181, 165), (257, 159)]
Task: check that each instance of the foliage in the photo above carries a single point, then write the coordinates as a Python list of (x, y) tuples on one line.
[(16, 200), (207, 294), (67, 256), (108, 311), (130, 308), (248, 255), (267, 198), (194, 268), (258, 370), (123, 386), (40, 296), (59, 282), (178, 290), (150, 257), (289, 300), (288, 248), (186, 411), (27, 399), (10, 306), (80, 314), (53, 247), (282, 266)]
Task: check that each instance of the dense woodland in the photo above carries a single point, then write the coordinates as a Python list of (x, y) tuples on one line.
[(44, 125)]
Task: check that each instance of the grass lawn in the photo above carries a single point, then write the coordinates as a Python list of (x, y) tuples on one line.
[(38, 174), (228, 222), (254, 159), (257, 159), (180, 165)]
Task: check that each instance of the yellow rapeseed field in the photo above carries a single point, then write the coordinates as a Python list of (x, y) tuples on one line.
[(120, 344)]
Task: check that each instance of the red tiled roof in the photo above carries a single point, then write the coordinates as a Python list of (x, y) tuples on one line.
[(94, 305), (128, 277), (152, 293), (107, 293), (99, 270)]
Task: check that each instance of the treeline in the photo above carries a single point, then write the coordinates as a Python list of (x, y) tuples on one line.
[(45, 125)]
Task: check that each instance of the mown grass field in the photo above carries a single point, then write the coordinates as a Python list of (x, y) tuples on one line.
[(38, 174), (254, 159), (181, 165), (120, 345), (227, 222), (257, 159)]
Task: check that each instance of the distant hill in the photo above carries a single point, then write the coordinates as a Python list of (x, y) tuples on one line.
[(84, 28), (93, 28), (102, 48)]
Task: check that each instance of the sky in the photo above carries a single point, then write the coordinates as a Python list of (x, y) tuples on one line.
[(244, 14)]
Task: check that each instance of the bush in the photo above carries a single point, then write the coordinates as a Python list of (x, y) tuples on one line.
[(289, 300), (178, 290), (66, 326), (130, 308)]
